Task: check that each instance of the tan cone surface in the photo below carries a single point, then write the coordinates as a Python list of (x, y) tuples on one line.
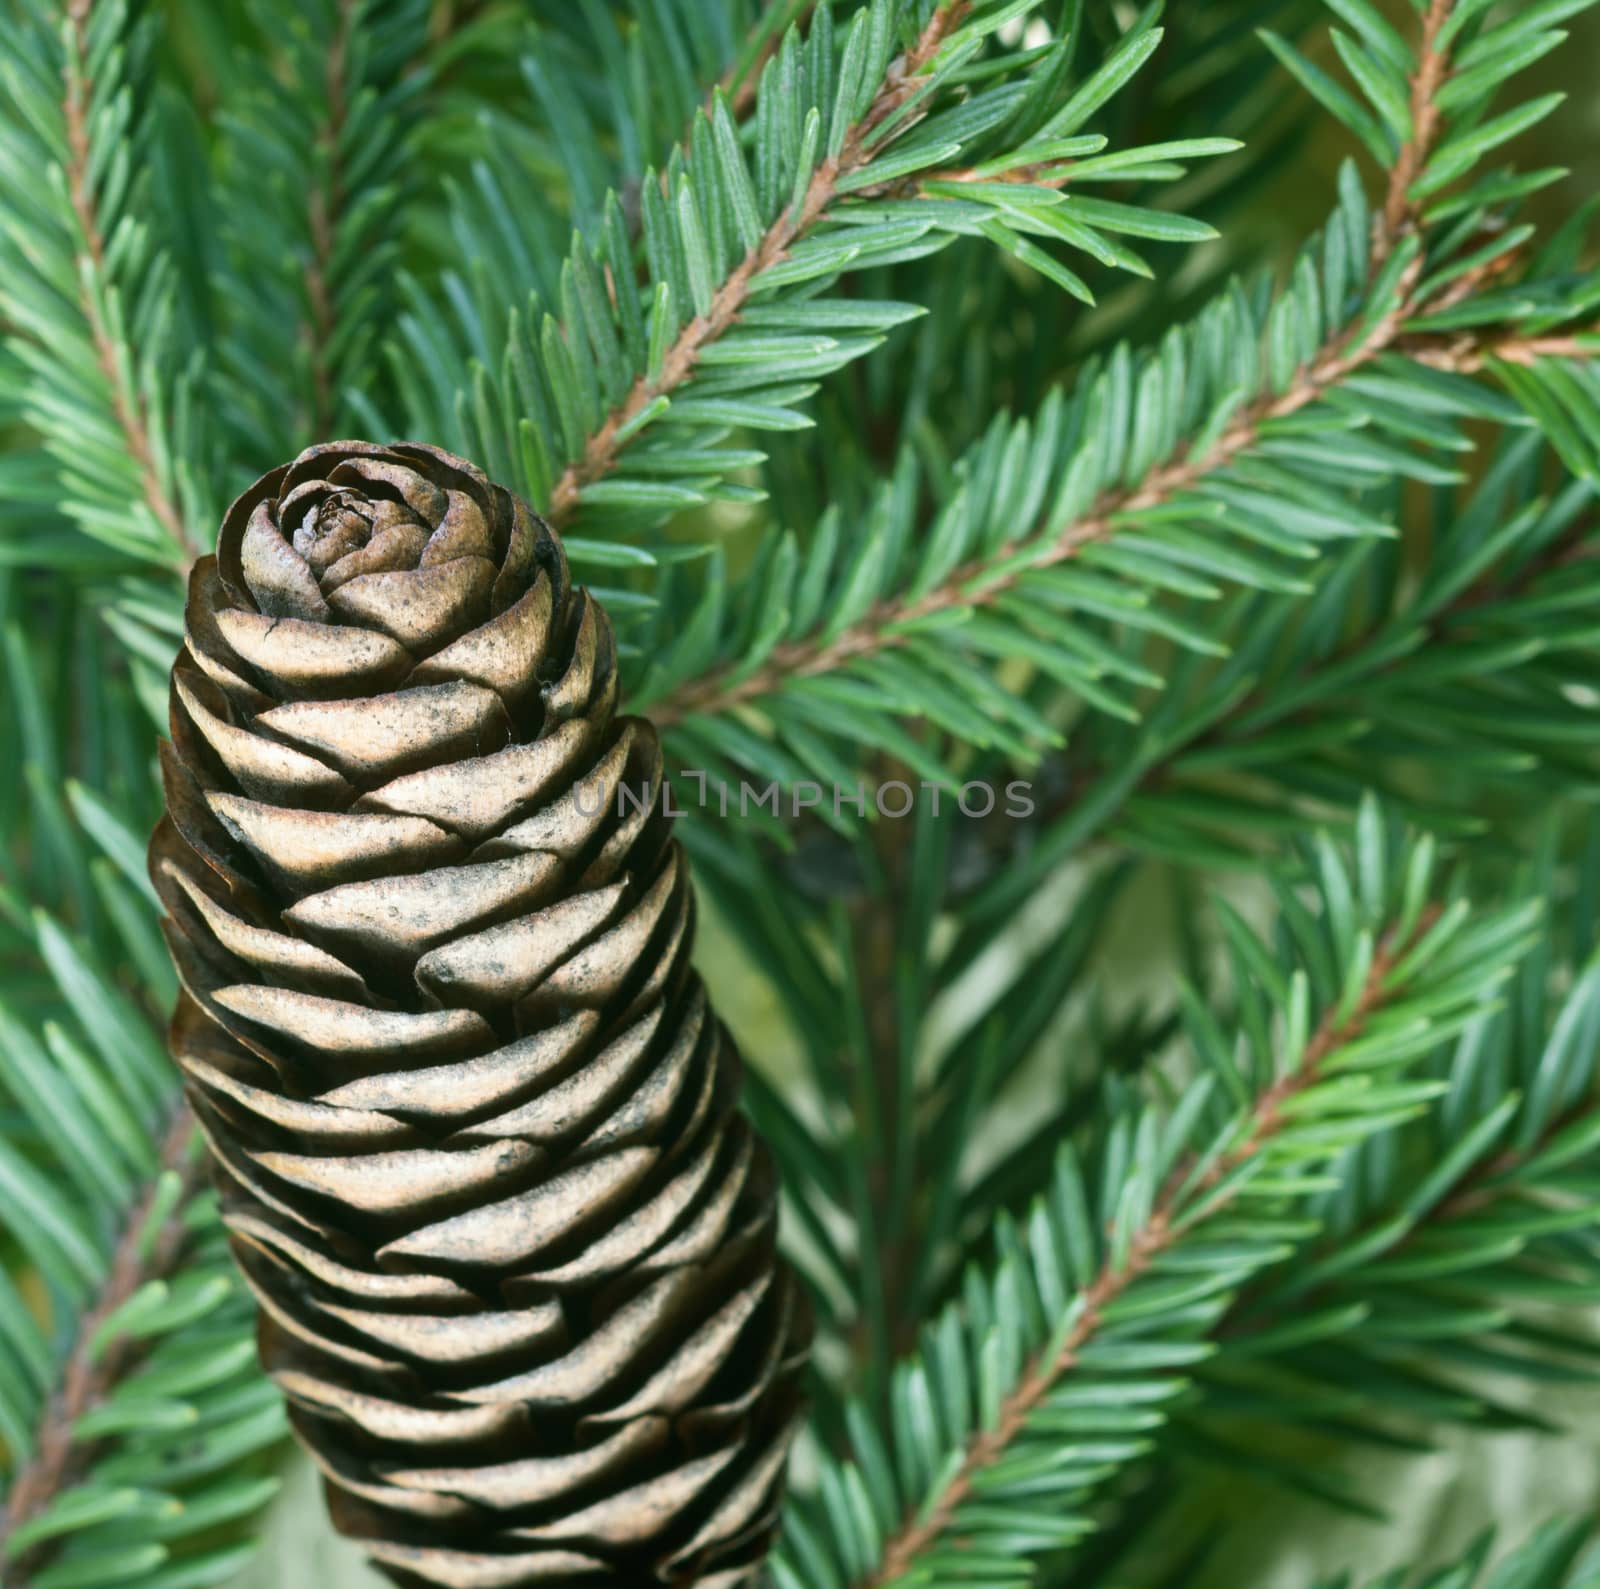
[(472, 1118)]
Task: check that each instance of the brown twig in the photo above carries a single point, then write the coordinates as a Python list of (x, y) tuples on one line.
[(1433, 67), (127, 406), (1164, 1226), (324, 203), (1467, 355), (59, 1458), (900, 82)]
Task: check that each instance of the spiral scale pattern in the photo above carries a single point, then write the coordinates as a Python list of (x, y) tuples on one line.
[(473, 1121)]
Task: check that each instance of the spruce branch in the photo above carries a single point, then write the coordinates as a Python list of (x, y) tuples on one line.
[(1344, 352), (617, 383), (1491, 1184), (131, 1408), (325, 202), (1098, 1300), (1488, 593), (133, 1424), (1466, 354), (1166, 787), (150, 1248), (88, 288), (986, 581), (976, 585), (1357, 669), (900, 83), (1319, 726), (314, 157), (1449, 1243), (127, 401), (1419, 308), (1168, 1222)]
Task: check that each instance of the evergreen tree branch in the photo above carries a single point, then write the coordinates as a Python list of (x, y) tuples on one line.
[(315, 153), (627, 397), (325, 202), (1251, 717), (977, 585), (1117, 789), (127, 402), (1422, 1284), (1345, 352), (89, 289), (1488, 1184), (906, 1094), (1218, 433), (1471, 355), (150, 1411), (1037, 1386), (151, 1247), (1121, 796), (901, 81), (1450, 1244), (132, 1411), (1165, 1226)]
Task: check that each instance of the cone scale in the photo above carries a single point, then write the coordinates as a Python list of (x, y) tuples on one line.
[(472, 1121)]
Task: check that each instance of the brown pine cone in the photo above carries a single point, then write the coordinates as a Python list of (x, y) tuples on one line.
[(474, 1124)]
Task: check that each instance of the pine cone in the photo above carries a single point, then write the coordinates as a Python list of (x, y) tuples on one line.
[(473, 1122)]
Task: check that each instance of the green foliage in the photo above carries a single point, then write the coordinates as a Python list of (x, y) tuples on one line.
[(726, 323), (937, 395), (1055, 1365), (89, 290), (315, 145), (1559, 1556), (129, 1389)]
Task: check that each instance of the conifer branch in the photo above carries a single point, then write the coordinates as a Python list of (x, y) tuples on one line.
[(127, 404), (1486, 589), (316, 153), (324, 203), (1470, 355), (1164, 1227), (893, 621), (1484, 1186), (93, 1366), (890, 622), (723, 690), (901, 81)]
